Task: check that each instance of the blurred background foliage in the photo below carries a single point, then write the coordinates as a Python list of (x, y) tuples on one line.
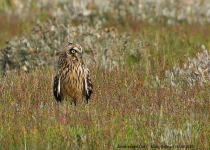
[(112, 32)]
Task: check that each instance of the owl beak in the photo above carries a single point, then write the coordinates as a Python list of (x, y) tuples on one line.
[(79, 55)]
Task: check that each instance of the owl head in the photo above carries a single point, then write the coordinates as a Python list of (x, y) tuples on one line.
[(73, 52)]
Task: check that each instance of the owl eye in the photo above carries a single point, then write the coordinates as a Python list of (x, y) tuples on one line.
[(73, 51)]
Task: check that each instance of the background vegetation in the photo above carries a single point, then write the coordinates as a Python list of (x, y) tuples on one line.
[(149, 62)]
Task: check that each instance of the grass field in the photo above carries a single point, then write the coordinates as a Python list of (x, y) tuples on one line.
[(135, 103)]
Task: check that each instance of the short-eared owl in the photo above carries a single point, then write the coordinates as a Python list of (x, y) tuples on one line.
[(72, 81)]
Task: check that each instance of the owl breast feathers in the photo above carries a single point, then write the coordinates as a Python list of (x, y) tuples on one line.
[(72, 81)]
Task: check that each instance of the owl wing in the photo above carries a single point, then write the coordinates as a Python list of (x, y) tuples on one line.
[(56, 88), (88, 84)]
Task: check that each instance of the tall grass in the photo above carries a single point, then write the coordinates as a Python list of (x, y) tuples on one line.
[(124, 110)]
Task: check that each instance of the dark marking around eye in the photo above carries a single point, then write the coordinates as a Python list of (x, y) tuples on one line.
[(72, 51)]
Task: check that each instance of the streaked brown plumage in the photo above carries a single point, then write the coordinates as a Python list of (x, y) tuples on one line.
[(72, 81)]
